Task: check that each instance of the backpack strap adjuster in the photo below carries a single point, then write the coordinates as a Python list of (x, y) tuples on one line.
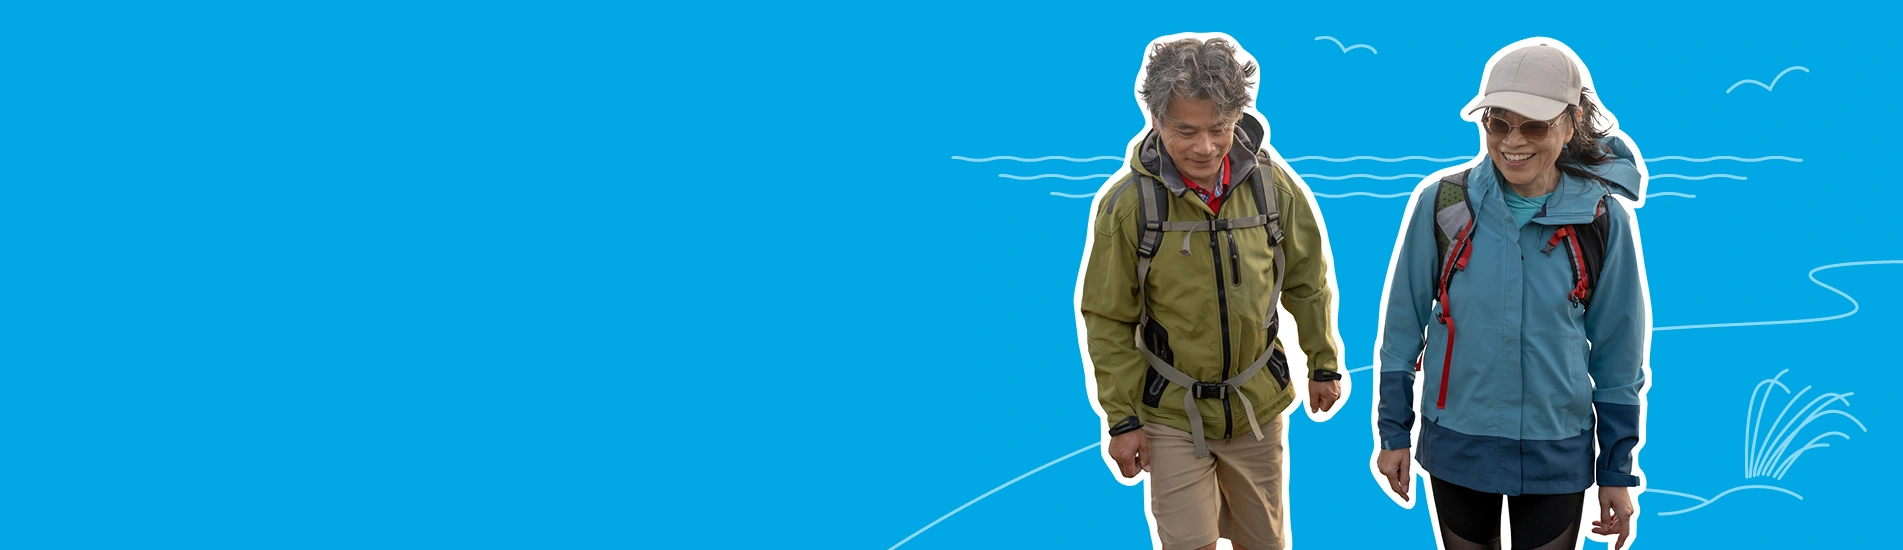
[(1210, 390)]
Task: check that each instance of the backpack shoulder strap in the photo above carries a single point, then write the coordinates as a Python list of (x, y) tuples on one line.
[(1152, 210), (1592, 238), (1265, 200), (1452, 211)]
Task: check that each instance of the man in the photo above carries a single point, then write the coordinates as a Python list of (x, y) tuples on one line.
[(1190, 249)]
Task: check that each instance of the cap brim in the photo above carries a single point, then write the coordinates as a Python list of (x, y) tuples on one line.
[(1528, 105)]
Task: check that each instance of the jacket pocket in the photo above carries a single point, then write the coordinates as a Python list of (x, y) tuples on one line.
[(1277, 365), (1157, 341)]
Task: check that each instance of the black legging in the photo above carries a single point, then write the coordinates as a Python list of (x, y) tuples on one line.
[(1470, 520)]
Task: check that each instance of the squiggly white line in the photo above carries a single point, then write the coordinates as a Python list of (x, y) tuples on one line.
[(1363, 176), (1346, 49), (1379, 159), (1703, 502), (1058, 176), (1854, 306), (1038, 159), (1360, 194), (1770, 87), (1704, 177), (955, 511), (1724, 157)]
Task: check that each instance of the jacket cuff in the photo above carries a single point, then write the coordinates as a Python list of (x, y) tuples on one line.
[(1616, 479), (1402, 441), (1324, 375)]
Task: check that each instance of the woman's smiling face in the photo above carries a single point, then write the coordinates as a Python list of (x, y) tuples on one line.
[(1524, 161)]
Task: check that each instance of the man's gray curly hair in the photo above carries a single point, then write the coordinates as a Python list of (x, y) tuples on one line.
[(1196, 69)]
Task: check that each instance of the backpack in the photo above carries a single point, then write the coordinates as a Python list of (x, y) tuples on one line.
[(1585, 245)]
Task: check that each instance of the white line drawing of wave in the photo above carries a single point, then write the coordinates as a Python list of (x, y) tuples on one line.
[(1360, 194), (1761, 459), (1767, 87), (1363, 176), (1346, 49), (1041, 158), (1070, 196), (1379, 159), (962, 508), (1671, 194), (1703, 177), (1854, 306), (1058, 176), (1725, 157), (1038, 159), (1703, 502)]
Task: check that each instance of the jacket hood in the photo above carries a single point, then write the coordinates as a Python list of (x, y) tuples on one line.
[(1151, 160), (1576, 199)]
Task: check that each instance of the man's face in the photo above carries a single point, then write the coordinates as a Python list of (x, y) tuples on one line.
[(1196, 138)]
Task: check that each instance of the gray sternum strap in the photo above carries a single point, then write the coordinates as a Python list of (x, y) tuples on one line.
[(1219, 224)]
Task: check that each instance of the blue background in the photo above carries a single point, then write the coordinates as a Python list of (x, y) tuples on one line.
[(593, 276)]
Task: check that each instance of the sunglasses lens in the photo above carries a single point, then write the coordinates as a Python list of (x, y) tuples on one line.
[(1498, 127), (1534, 131)]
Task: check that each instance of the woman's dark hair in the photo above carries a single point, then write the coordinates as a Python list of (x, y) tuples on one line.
[(1584, 150)]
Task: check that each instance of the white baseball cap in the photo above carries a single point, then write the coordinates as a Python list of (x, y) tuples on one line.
[(1538, 82)]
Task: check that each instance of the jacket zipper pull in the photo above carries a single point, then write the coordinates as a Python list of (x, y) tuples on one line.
[(1235, 260)]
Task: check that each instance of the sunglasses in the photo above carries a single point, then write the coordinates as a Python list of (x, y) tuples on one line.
[(1532, 130)]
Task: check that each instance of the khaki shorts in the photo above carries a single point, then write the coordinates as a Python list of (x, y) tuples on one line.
[(1234, 493)]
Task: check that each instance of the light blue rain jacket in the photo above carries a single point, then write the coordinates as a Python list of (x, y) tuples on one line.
[(1529, 365)]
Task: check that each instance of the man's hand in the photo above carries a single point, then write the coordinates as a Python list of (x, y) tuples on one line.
[(1323, 395), (1132, 452), (1394, 465), (1615, 514)]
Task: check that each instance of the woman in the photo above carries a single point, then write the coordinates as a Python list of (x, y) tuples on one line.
[(1532, 319)]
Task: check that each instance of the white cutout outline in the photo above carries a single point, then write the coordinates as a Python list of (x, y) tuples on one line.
[(1421, 490), (1297, 362)]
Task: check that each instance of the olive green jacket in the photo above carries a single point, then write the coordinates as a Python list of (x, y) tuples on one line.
[(1208, 295)]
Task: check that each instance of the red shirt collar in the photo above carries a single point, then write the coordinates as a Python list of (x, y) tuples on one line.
[(1212, 198)]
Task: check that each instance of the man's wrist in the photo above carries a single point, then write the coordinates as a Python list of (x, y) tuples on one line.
[(1127, 425)]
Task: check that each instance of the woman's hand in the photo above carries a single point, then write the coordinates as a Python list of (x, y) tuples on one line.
[(1615, 514), (1394, 464)]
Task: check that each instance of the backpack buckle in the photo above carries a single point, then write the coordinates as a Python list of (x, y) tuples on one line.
[(1210, 390)]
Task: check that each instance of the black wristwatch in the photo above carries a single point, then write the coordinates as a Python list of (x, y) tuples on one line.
[(1127, 425), (1325, 375)]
